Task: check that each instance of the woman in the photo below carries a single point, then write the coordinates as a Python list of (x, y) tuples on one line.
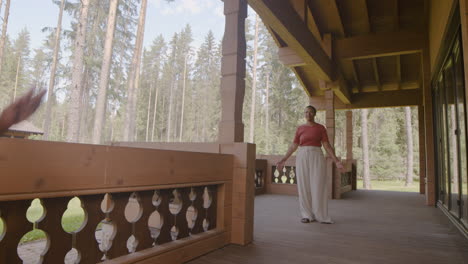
[(310, 168)]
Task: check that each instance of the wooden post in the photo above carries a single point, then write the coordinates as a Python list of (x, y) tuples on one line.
[(422, 151), (330, 116), (349, 136), (464, 31), (330, 124), (231, 128), (430, 182)]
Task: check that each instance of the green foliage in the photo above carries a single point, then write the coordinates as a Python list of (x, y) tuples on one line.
[(163, 117)]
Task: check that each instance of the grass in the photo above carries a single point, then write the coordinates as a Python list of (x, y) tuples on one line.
[(72, 219), (396, 186)]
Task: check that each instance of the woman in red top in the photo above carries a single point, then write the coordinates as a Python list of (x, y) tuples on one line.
[(310, 168)]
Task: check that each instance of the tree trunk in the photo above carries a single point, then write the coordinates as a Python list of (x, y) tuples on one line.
[(17, 76), (169, 115), (77, 74), (1, 5), (53, 70), (453, 150), (365, 151), (254, 82), (154, 110), (129, 125), (409, 143), (4, 32), (101, 100), (267, 114), (183, 100), (148, 112), (84, 106)]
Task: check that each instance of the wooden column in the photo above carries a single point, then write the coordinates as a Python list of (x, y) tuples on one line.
[(330, 116), (335, 178), (422, 151), (242, 192), (349, 135), (430, 190), (464, 31), (231, 128)]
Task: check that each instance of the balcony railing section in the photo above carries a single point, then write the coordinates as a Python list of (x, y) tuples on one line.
[(77, 203), (286, 176)]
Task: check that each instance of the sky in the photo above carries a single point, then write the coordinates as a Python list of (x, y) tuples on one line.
[(161, 18)]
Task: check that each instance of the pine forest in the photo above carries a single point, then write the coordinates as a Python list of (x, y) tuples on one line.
[(104, 84)]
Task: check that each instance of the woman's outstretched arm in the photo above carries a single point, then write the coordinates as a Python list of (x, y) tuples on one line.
[(293, 147), (331, 153)]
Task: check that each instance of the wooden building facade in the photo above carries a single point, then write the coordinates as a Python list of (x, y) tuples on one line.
[(192, 198)]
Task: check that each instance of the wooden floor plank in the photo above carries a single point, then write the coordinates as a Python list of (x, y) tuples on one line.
[(371, 227)]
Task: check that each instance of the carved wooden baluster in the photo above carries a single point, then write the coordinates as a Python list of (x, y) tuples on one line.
[(141, 226), (84, 240), (175, 207), (292, 175), (276, 174), (163, 209), (191, 214), (207, 203), (181, 223), (60, 241), (124, 228), (14, 215), (156, 220), (198, 204), (212, 212)]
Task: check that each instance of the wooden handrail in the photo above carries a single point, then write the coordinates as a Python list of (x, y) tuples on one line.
[(56, 172)]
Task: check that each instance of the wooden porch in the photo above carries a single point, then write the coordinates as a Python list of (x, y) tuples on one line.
[(371, 227)]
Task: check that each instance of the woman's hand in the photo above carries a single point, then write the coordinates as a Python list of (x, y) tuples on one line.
[(20, 109), (280, 165), (340, 166)]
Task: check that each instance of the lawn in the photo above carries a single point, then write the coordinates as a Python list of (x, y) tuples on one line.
[(396, 186), (72, 219)]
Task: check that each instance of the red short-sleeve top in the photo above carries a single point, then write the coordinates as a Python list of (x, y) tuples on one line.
[(307, 135)]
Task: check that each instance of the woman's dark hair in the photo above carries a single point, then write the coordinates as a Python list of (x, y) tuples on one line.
[(313, 108)]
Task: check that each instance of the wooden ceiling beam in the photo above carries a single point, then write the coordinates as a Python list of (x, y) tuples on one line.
[(376, 100), (383, 99), (356, 77), (284, 20), (398, 70), (304, 12), (363, 5), (376, 73), (289, 57), (396, 15), (378, 45)]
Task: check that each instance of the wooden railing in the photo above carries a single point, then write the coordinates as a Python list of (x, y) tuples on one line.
[(139, 205), (260, 175), (345, 181), (285, 181)]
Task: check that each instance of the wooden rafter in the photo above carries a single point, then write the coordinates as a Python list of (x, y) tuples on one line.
[(284, 20), (398, 71), (396, 15), (376, 74), (378, 45), (387, 99), (356, 77), (363, 5)]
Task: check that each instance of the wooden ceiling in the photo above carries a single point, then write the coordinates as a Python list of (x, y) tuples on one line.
[(351, 46)]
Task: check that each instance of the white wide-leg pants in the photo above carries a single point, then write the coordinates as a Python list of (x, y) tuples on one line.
[(312, 184)]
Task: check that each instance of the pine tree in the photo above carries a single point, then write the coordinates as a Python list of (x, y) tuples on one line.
[(77, 73), (129, 128), (53, 70), (104, 75)]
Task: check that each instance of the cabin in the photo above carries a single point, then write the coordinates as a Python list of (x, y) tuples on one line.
[(219, 202)]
